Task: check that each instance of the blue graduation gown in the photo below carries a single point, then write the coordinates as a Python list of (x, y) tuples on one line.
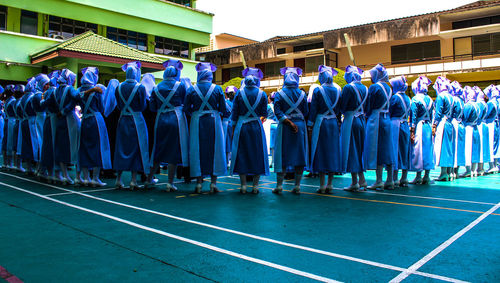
[(291, 148), (49, 130), (228, 126), (132, 148), (29, 144), (472, 117), (2, 124), (325, 141), (8, 130), (378, 148), (422, 155), (444, 140), (207, 153), (399, 109), (496, 139), (171, 139), (457, 117), (249, 141), (17, 128), (352, 133), (94, 150), (40, 118), (489, 132)]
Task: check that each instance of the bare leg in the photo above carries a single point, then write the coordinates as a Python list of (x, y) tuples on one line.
[(379, 185), (119, 183), (133, 180), (322, 187), (427, 178), (149, 181), (403, 182), (256, 179), (299, 170), (86, 176), (213, 184), (95, 178), (172, 168), (280, 177), (329, 184), (199, 182)]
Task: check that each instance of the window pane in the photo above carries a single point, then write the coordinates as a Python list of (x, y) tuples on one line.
[(122, 39), (2, 21), (463, 46), (481, 44), (432, 50), (398, 53), (29, 22), (495, 42), (480, 22)]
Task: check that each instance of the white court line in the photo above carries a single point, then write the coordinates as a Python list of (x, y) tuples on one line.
[(440, 248), (87, 191), (180, 238), (390, 194), (313, 250)]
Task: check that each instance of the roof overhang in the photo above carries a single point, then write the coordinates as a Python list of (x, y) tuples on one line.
[(470, 31)]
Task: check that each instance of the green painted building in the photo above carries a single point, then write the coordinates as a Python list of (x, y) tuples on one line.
[(38, 36)]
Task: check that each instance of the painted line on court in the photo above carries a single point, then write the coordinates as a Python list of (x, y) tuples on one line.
[(180, 238), (7, 276), (382, 193), (377, 201), (440, 248), (278, 242), (87, 191)]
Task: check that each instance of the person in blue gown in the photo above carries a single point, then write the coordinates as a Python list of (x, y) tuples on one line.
[(291, 109), (249, 155), (8, 131), (27, 127), (94, 151), (472, 115), (422, 152), (47, 157), (483, 130), (496, 99), (2, 117), (457, 116), (227, 123), (378, 151), (206, 105), (42, 84), (324, 118), (18, 93), (399, 109), (64, 99), (353, 102), (273, 126), (132, 148), (444, 133), (171, 139), (489, 127)]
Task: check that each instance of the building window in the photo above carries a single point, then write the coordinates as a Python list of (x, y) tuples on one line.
[(271, 69), (171, 47), (182, 2), (231, 73), (422, 51), (281, 51), (312, 63), (132, 39), (66, 28), (306, 47), (476, 22), (477, 45), (29, 22), (3, 17)]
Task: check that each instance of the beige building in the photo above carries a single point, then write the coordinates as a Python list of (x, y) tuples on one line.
[(462, 44), (225, 40)]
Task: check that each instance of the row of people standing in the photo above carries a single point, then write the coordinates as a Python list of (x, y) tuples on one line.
[(353, 129)]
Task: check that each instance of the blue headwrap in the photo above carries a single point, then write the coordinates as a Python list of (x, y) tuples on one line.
[(205, 72), (66, 77), (470, 94), (352, 74), (10, 88), (133, 70), (479, 93), (379, 74), (492, 91), (231, 88), (326, 74), (252, 76), (31, 85), (441, 84), (1, 89), (54, 76), (456, 89), (172, 69), (90, 76), (421, 85), (292, 75), (19, 88), (399, 84), (41, 81), (186, 82)]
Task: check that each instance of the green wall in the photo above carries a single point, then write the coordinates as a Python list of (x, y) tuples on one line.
[(20, 46), (149, 16)]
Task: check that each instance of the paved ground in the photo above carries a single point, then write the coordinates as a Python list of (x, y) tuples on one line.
[(446, 231)]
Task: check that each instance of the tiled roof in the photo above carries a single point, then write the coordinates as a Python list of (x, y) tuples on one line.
[(92, 43)]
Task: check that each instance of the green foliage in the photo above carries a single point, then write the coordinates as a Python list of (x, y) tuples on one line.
[(234, 82), (338, 79)]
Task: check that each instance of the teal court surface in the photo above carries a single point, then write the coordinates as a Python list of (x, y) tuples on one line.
[(442, 232)]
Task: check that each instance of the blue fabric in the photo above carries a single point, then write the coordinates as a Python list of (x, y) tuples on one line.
[(291, 76), (325, 141), (352, 74), (249, 155), (352, 104), (94, 149), (30, 142), (131, 149), (49, 130), (422, 106), (206, 153), (132, 70), (40, 118), (10, 114), (66, 77), (378, 149), (457, 117), (171, 123), (228, 125), (473, 139), (379, 74), (291, 148), (399, 108)]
